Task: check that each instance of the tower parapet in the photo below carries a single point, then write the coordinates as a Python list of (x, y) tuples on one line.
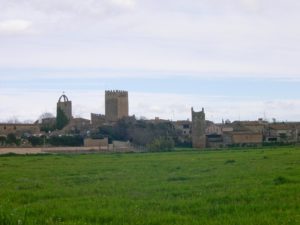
[(116, 93)]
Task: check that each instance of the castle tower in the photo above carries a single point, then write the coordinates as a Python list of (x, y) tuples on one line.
[(116, 105), (65, 106), (198, 129)]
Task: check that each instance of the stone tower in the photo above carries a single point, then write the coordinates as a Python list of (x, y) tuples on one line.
[(65, 105), (116, 105), (198, 129)]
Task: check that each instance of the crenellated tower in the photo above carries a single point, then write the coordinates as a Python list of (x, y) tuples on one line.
[(116, 105), (198, 129)]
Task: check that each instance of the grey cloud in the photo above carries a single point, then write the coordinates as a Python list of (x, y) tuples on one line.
[(14, 26), (59, 15), (83, 8), (178, 36)]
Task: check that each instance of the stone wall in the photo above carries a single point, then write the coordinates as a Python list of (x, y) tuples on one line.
[(97, 120), (78, 126), (248, 138), (19, 129), (121, 146), (101, 143), (240, 138)]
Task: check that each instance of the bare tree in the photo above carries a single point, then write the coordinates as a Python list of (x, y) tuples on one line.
[(45, 115), (13, 120)]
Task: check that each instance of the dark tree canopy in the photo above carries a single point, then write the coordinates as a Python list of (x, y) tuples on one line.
[(61, 120), (141, 133)]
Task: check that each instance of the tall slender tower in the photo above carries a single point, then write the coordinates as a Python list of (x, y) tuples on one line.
[(116, 105), (65, 106), (198, 129)]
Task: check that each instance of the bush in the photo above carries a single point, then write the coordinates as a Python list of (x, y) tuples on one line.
[(36, 141), (161, 144), (280, 180), (12, 139), (71, 141), (48, 127), (230, 161), (2, 140)]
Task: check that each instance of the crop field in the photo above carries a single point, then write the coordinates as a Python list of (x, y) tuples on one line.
[(236, 187)]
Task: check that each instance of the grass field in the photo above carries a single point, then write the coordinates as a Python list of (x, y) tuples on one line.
[(235, 187)]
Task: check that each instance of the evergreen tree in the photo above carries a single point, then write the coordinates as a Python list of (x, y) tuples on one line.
[(2, 140), (61, 119)]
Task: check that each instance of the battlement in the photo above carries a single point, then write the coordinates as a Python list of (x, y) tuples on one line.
[(98, 115), (198, 115), (116, 93)]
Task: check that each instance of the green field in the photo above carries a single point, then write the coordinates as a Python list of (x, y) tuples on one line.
[(258, 186)]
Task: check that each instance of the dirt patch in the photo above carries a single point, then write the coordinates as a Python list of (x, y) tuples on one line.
[(21, 151)]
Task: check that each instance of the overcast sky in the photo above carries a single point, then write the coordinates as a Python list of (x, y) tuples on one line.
[(239, 59)]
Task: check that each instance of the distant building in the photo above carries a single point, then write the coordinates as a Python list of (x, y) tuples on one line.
[(19, 129), (184, 126), (101, 143), (77, 126), (98, 120), (198, 129), (116, 105), (242, 138), (65, 106), (282, 132)]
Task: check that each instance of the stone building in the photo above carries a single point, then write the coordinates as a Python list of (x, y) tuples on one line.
[(198, 129), (184, 126), (214, 137), (77, 126), (116, 105), (65, 105), (101, 143), (282, 132), (98, 119), (19, 129), (184, 132), (242, 138)]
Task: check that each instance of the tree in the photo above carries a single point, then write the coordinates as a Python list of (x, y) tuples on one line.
[(66, 140), (140, 132), (36, 141), (161, 144), (12, 139), (61, 119), (2, 140), (46, 115), (13, 120)]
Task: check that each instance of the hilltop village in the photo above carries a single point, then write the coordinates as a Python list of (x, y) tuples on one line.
[(119, 130)]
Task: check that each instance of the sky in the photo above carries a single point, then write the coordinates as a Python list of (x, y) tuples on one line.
[(239, 59)]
